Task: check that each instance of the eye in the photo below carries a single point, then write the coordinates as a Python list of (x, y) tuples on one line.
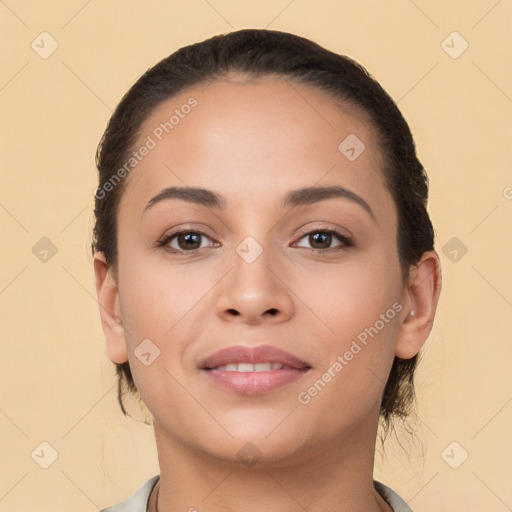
[(321, 239), (185, 240), (190, 241)]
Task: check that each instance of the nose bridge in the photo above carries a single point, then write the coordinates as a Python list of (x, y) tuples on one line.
[(253, 289), (255, 252), (252, 262)]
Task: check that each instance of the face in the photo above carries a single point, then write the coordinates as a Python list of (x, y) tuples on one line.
[(316, 275)]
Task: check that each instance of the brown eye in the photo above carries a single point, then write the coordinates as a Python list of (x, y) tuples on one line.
[(188, 241), (321, 240), (185, 241)]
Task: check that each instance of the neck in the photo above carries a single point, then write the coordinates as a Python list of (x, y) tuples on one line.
[(317, 478)]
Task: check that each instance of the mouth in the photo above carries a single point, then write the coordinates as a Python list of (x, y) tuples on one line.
[(253, 371), (249, 367)]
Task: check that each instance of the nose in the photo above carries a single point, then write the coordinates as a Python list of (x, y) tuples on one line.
[(255, 292)]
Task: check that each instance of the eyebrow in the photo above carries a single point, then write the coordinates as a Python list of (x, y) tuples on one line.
[(293, 198)]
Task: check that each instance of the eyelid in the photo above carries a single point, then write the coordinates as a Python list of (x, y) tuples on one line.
[(317, 227)]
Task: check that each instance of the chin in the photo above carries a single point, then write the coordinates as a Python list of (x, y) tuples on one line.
[(258, 452)]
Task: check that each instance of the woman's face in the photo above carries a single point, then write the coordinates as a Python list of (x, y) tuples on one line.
[(252, 277)]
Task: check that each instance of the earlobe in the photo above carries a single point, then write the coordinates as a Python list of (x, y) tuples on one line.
[(110, 312), (423, 292)]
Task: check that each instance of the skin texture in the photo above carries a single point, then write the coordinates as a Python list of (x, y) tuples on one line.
[(252, 142)]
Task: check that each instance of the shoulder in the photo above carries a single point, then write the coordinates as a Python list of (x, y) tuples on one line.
[(138, 502), (393, 499)]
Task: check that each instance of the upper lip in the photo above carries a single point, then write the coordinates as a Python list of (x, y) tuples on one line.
[(254, 355)]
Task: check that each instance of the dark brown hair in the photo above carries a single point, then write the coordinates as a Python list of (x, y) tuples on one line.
[(254, 53)]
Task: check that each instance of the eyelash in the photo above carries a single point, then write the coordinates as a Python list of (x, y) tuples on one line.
[(346, 241)]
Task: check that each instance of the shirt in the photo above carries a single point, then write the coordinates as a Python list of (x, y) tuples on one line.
[(138, 502)]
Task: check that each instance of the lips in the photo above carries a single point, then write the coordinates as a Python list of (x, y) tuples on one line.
[(252, 371), (242, 356)]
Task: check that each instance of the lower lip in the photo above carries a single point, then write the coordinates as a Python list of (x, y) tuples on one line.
[(254, 383)]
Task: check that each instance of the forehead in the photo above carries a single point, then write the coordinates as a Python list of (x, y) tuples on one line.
[(254, 141)]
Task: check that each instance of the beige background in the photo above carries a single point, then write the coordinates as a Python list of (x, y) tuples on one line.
[(57, 385)]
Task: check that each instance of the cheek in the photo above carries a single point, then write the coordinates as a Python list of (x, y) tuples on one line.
[(355, 361), (166, 304), (356, 309), (156, 294), (348, 296), (154, 309)]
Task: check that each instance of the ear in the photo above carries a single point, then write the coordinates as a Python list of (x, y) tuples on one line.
[(420, 303), (111, 320)]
